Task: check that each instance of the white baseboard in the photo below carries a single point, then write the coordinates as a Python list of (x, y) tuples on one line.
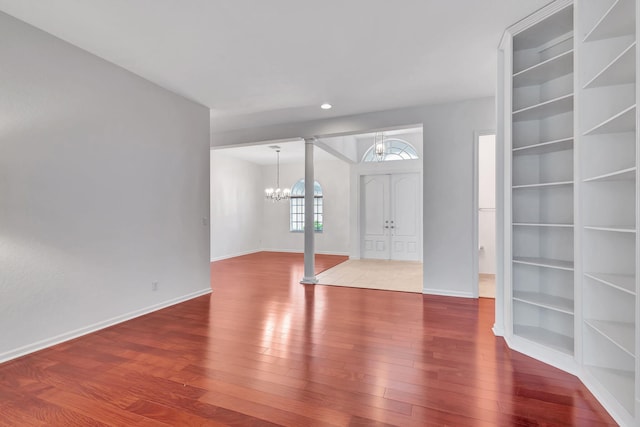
[(220, 258), (298, 251), (497, 330), (58, 339), (554, 358), (610, 403), (445, 293)]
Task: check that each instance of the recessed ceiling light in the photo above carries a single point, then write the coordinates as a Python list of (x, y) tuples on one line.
[(326, 106)]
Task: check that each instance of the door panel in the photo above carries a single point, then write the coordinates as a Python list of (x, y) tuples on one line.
[(391, 217), (405, 216), (375, 211)]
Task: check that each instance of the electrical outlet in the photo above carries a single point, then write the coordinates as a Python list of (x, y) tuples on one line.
[(154, 286)]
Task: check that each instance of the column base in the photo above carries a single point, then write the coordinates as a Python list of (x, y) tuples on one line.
[(309, 281)]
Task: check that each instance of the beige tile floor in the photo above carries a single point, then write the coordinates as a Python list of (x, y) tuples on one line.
[(404, 276), (487, 286)]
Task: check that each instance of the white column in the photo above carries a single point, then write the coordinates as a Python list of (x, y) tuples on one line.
[(309, 236)]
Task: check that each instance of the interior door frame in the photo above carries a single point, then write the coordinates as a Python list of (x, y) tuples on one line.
[(382, 168), (475, 224)]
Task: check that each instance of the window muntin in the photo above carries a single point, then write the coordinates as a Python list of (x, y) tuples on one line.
[(296, 210), (393, 149)]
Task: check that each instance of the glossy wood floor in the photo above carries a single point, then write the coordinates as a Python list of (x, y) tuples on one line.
[(264, 350)]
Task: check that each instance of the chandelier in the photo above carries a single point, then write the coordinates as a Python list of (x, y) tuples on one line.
[(378, 146), (277, 194)]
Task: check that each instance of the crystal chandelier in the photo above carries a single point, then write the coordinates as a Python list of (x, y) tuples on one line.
[(277, 194)]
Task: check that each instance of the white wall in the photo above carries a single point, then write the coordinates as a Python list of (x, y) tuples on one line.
[(333, 176), (103, 190), (487, 204), (448, 164), (236, 206)]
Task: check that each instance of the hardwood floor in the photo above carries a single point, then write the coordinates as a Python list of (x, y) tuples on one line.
[(264, 350)]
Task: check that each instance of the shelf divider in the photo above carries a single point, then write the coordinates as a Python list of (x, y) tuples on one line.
[(622, 334), (624, 121), (545, 262), (553, 107), (545, 147), (557, 66), (622, 282), (621, 70), (619, 20)]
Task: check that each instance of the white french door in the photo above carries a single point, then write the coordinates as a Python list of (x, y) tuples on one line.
[(390, 216)]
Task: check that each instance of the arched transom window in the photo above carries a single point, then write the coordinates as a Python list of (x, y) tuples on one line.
[(390, 149), (296, 210)]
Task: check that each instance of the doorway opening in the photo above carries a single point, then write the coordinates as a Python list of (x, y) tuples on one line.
[(385, 210), (486, 213)]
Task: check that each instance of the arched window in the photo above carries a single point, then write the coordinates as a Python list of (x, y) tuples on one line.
[(296, 210), (390, 149)]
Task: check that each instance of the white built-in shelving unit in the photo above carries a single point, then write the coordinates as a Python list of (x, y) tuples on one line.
[(542, 183), (606, 43), (568, 123)]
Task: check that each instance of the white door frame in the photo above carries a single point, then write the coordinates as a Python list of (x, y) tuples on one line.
[(382, 168), (475, 275)]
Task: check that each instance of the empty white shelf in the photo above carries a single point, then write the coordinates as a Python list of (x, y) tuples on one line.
[(624, 121), (558, 66), (545, 337), (613, 228), (622, 70), (627, 174), (545, 262), (544, 184), (619, 20), (545, 147), (622, 282), (536, 224), (559, 105), (621, 334), (550, 302)]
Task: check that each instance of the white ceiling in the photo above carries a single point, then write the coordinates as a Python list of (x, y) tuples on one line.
[(257, 62)]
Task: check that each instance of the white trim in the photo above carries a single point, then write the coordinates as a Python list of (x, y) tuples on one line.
[(564, 362), (608, 401), (220, 258), (538, 16), (365, 129), (504, 282), (67, 336), (253, 143), (298, 251), (445, 293)]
